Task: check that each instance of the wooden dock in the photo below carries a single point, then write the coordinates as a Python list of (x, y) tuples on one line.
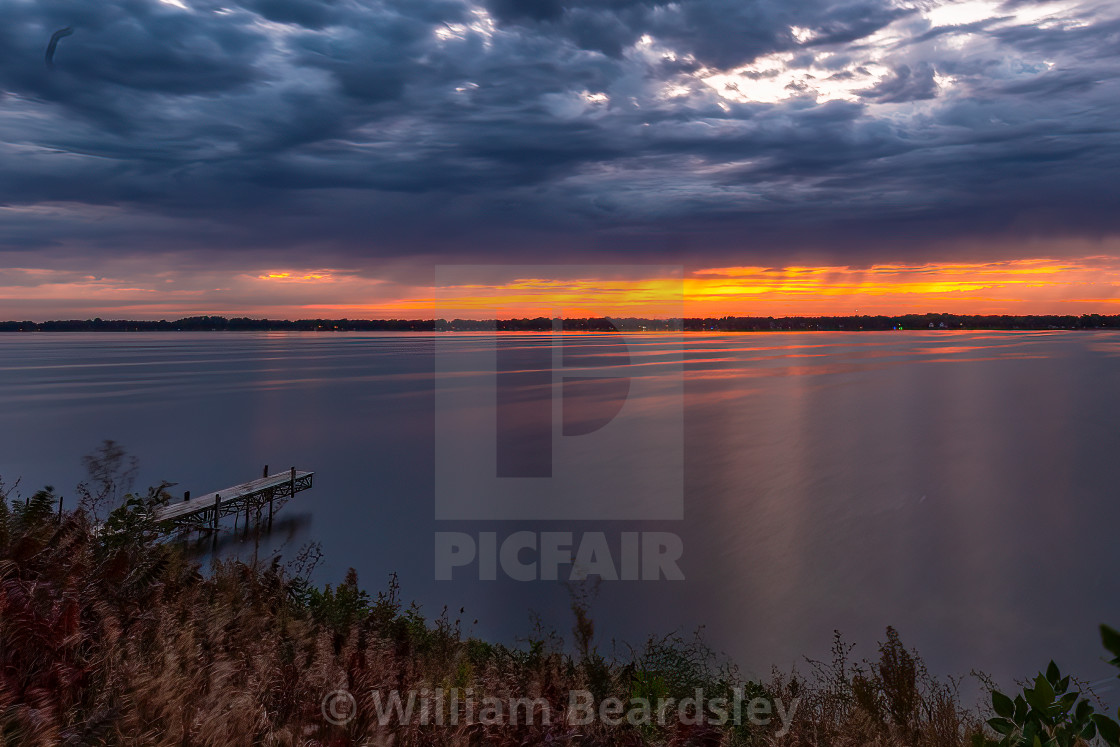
[(206, 511)]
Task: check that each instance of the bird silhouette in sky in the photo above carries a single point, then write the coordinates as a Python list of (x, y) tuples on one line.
[(53, 45)]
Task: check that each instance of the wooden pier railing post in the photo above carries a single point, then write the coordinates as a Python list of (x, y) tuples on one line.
[(247, 498)]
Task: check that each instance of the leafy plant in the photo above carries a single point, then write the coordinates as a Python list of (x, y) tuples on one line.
[(133, 523), (340, 608), (1049, 714)]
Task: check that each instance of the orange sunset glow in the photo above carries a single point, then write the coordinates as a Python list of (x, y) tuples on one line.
[(1029, 286), (1023, 286)]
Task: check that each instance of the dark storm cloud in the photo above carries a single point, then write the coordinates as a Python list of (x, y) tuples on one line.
[(597, 127), (312, 14), (717, 32), (906, 84)]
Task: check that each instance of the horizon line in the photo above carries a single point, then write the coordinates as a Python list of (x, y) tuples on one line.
[(607, 323)]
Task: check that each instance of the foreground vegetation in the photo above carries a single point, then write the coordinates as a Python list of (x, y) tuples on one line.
[(111, 637)]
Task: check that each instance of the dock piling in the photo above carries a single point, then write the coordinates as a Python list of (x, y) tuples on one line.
[(206, 511)]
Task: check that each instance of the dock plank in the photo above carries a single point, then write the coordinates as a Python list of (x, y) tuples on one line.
[(206, 502)]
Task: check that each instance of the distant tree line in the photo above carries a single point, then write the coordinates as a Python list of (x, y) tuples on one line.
[(590, 324), (219, 324), (906, 321)]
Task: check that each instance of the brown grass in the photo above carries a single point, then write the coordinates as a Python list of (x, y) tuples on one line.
[(113, 638)]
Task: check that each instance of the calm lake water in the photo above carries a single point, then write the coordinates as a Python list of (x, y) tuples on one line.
[(962, 487)]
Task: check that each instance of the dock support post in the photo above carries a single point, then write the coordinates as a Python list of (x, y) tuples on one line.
[(248, 498), (265, 471)]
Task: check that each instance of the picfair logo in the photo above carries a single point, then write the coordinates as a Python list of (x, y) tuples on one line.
[(554, 424)]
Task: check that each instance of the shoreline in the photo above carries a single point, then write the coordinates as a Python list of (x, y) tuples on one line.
[(940, 322)]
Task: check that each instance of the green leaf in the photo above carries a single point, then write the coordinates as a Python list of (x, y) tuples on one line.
[(1109, 729), (1002, 704), (1041, 697), (1038, 703), (1021, 709), (1066, 702), (1053, 674), (1043, 688), (1001, 725), (1084, 709), (1089, 731), (1111, 640)]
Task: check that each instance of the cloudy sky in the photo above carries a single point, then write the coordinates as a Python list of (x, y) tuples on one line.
[(307, 158)]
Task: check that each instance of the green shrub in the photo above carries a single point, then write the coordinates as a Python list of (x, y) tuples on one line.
[(1050, 714)]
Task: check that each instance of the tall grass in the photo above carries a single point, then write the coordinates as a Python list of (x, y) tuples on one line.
[(109, 637)]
